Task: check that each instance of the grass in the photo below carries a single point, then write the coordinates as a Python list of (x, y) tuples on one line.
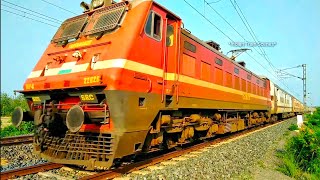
[(301, 155), (261, 164), (24, 128), (293, 127), (288, 166)]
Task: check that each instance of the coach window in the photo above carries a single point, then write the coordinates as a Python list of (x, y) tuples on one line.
[(190, 47), (153, 26), (236, 70), (219, 61)]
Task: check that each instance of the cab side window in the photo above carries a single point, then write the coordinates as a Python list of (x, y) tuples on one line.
[(170, 35), (154, 26)]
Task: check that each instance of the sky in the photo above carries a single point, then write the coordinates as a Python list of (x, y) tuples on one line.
[(292, 24)]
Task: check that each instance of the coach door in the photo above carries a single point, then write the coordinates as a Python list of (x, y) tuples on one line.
[(170, 91)]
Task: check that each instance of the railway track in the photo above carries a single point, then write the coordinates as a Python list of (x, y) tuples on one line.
[(110, 174), (29, 170), (25, 139)]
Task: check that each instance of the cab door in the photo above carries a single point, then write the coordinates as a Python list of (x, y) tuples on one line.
[(171, 56)]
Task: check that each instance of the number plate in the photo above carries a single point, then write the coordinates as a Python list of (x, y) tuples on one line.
[(89, 98), (36, 99), (92, 80)]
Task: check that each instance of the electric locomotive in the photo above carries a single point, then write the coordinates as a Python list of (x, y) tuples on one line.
[(125, 78)]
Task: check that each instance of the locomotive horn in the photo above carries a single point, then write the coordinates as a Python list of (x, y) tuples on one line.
[(75, 118), (85, 6)]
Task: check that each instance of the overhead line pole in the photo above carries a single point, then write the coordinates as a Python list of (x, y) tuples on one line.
[(303, 78), (304, 67)]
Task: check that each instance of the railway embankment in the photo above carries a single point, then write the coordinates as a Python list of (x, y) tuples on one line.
[(234, 159)]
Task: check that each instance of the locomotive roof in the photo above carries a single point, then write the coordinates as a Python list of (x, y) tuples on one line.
[(167, 10)]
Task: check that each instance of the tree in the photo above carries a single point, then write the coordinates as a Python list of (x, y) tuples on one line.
[(8, 103)]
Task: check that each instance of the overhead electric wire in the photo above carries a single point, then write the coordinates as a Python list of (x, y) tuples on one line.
[(215, 1), (32, 11), (47, 19), (224, 19), (273, 75), (59, 7), (264, 55), (208, 20), (233, 41), (217, 28), (291, 68), (28, 17), (229, 24), (253, 35), (235, 29)]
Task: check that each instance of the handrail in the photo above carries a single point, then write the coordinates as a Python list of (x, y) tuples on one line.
[(178, 59), (164, 59)]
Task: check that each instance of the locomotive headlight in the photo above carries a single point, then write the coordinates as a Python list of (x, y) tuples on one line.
[(97, 3)]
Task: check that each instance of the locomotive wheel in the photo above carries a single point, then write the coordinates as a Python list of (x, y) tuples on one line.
[(169, 143)]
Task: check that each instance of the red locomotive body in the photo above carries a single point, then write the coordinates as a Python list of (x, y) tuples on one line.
[(124, 78)]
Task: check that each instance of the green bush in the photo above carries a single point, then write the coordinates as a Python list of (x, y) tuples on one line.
[(24, 128), (288, 167), (8, 103), (302, 152), (305, 149), (293, 127)]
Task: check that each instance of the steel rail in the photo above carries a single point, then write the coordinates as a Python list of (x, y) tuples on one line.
[(29, 170), (24, 139)]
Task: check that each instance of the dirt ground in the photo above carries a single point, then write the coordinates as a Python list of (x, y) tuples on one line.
[(266, 168), (5, 121)]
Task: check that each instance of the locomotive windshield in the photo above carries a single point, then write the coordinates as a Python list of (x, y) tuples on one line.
[(106, 19), (103, 20), (70, 29)]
